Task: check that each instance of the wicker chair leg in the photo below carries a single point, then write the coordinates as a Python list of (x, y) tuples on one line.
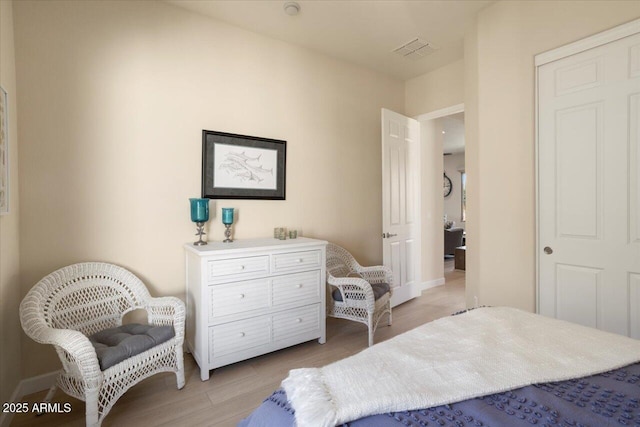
[(389, 308), (371, 329), (180, 371), (91, 403), (49, 396)]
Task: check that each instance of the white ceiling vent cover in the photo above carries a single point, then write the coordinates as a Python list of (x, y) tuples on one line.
[(415, 49)]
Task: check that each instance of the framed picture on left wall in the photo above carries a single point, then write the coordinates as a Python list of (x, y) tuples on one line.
[(4, 153), (242, 167)]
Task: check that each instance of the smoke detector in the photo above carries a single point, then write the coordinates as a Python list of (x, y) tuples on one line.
[(291, 8), (415, 49)]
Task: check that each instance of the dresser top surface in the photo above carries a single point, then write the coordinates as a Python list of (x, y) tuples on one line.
[(268, 243)]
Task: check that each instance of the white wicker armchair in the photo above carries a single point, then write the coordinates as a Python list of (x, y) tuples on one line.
[(351, 295), (75, 302)]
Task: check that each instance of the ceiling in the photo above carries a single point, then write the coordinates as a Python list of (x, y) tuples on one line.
[(364, 32)]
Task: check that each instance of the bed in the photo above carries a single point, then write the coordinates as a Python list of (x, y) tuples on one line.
[(486, 367)]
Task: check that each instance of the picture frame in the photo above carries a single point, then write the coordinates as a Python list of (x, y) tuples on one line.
[(243, 167), (4, 152)]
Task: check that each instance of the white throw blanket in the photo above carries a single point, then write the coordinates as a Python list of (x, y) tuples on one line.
[(483, 351)]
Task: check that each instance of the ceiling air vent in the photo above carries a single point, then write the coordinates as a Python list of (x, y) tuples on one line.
[(415, 49)]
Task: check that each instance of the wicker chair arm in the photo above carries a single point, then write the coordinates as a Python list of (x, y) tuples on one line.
[(80, 354), (377, 274), (167, 311), (354, 290)]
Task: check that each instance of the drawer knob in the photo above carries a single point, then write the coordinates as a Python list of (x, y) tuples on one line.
[(241, 296), (241, 267), (298, 286), (241, 334), (299, 320), (299, 260)]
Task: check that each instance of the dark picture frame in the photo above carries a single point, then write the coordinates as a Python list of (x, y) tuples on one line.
[(243, 167)]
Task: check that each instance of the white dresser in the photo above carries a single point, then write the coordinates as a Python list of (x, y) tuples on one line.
[(253, 296)]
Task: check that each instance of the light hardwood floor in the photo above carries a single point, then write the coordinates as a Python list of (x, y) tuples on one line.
[(234, 391)]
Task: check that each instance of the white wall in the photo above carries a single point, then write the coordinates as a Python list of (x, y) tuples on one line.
[(10, 295), (499, 120), (496, 83), (424, 94), (113, 100), (436, 90), (114, 95), (473, 265), (431, 202), (453, 203)]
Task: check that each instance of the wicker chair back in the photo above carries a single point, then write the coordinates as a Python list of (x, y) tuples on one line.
[(88, 297)]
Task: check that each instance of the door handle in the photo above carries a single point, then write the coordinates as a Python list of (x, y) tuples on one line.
[(387, 235), (548, 250)]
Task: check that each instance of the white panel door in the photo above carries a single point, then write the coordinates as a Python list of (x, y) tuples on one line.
[(589, 187), (400, 199)]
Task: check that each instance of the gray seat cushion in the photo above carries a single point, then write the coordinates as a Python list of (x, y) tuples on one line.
[(117, 344), (379, 289)]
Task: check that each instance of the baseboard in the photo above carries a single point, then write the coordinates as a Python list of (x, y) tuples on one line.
[(6, 417), (37, 383), (26, 387), (432, 284)]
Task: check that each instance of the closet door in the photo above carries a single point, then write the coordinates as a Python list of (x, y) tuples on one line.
[(589, 187)]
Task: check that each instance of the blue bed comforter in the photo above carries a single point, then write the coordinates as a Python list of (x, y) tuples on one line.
[(608, 399)]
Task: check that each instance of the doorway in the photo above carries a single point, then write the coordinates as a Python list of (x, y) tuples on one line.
[(432, 141), (454, 190)]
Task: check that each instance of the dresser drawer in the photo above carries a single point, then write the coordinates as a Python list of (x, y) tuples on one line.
[(238, 336), (291, 261), (237, 297), (237, 268), (296, 322), (297, 288)]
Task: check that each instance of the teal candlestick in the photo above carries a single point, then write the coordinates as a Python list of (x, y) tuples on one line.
[(227, 216), (199, 210), (227, 220), (199, 215)]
